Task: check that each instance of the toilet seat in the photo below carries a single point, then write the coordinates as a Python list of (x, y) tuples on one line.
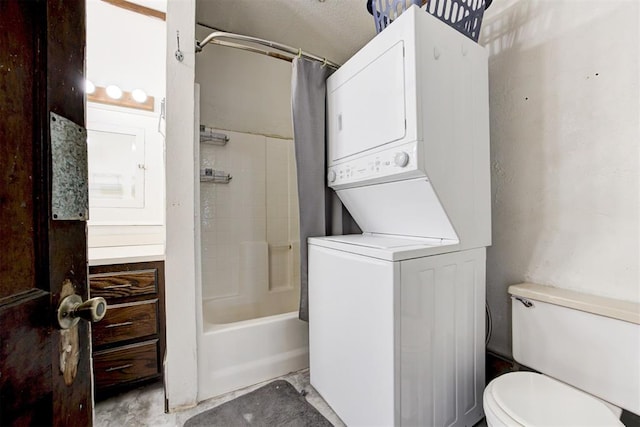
[(531, 399)]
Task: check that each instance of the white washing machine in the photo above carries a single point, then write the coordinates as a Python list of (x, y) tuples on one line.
[(396, 315), (396, 332)]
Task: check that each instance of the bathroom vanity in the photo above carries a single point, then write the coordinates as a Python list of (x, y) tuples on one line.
[(129, 343)]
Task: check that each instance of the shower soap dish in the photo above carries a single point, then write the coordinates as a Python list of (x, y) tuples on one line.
[(215, 176), (209, 136)]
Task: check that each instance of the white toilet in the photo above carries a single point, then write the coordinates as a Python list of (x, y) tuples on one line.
[(588, 351)]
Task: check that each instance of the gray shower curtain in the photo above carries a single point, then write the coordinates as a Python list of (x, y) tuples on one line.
[(321, 213)]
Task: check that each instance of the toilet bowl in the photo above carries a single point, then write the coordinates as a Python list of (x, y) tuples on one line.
[(532, 399), (586, 349)]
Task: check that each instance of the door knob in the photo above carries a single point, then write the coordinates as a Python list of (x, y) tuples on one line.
[(72, 309)]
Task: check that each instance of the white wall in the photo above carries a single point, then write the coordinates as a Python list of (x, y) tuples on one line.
[(133, 57), (126, 48), (564, 101), (244, 91), (181, 370)]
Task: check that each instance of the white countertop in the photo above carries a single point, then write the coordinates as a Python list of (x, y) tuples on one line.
[(125, 254)]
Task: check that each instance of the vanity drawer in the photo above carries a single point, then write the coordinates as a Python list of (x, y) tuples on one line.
[(128, 343), (126, 321), (124, 364), (117, 285)]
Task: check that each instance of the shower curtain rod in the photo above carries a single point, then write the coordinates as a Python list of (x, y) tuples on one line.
[(289, 52)]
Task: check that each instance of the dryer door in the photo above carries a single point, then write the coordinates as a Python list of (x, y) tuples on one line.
[(366, 109)]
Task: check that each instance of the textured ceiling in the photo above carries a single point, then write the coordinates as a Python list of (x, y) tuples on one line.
[(335, 29)]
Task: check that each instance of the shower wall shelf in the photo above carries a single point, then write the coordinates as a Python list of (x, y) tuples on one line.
[(209, 136), (214, 176)]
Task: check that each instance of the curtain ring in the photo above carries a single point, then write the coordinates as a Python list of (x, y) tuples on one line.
[(299, 52), (324, 63)]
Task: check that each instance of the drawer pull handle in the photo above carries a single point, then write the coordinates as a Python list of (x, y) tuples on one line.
[(117, 325), (126, 285), (118, 368)]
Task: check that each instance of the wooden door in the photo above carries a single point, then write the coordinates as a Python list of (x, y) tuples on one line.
[(42, 53)]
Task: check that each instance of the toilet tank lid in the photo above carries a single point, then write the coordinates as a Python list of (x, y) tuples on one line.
[(617, 309)]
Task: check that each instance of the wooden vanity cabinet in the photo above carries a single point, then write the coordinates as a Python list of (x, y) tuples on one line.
[(129, 342)]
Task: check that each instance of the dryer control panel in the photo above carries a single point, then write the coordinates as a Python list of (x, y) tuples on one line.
[(400, 162)]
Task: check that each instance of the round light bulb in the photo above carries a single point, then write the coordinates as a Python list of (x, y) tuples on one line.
[(89, 87), (114, 92), (139, 95)]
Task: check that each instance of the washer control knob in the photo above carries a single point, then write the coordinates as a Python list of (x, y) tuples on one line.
[(331, 176), (401, 159)]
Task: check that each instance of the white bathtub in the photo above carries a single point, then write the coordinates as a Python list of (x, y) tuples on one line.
[(240, 354)]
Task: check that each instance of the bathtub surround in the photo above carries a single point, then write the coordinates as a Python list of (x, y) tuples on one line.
[(249, 228), (321, 213)]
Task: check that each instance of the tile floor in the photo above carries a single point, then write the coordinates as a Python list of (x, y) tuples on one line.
[(144, 407)]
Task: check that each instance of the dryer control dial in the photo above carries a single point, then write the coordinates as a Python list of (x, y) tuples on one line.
[(401, 159), (395, 163)]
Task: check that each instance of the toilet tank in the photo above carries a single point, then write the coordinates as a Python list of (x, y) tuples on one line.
[(589, 342)]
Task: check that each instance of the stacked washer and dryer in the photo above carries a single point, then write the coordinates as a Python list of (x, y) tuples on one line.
[(397, 319)]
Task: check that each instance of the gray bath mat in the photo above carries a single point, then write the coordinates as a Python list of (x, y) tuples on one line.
[(273, 405)]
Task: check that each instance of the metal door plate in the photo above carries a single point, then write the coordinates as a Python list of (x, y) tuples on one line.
[(70, 189)]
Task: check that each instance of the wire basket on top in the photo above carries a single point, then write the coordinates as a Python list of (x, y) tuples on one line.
[(462, 15)]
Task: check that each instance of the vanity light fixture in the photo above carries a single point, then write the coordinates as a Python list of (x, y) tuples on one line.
[(139, 95), (113, 95), (113, 92), (89, 87)]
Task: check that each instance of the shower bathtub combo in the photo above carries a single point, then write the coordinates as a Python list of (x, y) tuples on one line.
[(249, 329)]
